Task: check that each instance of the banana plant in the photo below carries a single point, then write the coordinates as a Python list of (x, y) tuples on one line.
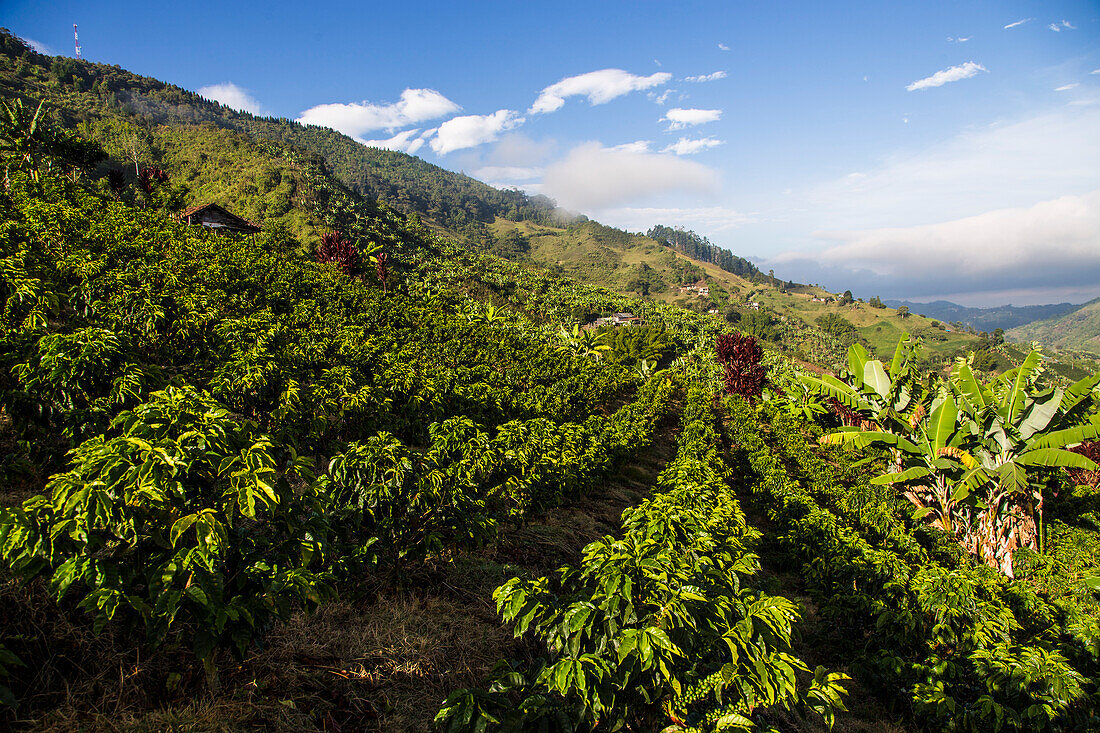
[(582, 342), (1017, 434), (796, 398), (488, 314), (977, 461), (20, 137), (891, 397)]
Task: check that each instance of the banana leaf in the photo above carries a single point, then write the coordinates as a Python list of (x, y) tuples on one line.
[(830, 386), (902, 353), (974, 394), (857, 359), (1067, 436), (1040, 415), (1055, 458), (942, 422), (1017, 381), (864, 438), (1078, 392), (874, 376), (908, 474)]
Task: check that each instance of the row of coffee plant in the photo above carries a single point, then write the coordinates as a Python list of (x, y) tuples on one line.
[(180, 517), (248, 426), (659, 627), (967, 648)]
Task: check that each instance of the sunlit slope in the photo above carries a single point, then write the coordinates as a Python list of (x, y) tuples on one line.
[(1075, 331)]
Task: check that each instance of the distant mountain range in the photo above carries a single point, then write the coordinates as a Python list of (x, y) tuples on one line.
[(986, 319)]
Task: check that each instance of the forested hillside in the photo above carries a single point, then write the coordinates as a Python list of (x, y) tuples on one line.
[(700, 248), (352, 473), (87, 90)]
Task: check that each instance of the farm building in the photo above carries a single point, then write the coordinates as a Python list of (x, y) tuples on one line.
[(219, 219)]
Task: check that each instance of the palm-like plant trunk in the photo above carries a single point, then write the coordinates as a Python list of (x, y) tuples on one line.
[(1004, 527)]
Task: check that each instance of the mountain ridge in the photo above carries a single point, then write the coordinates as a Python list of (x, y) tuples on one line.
[(985, 319)]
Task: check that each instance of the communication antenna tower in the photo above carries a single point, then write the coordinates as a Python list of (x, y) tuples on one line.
[(76, 41)]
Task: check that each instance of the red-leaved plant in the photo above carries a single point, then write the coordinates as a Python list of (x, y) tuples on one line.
[(740, 357), (149, 175), (338, 251), (382, 270), (1089, 449)]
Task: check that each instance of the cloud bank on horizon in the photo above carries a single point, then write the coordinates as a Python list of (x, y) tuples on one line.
[(1052, 243)]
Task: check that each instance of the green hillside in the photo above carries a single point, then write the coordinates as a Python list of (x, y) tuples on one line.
[(255, 167), (1078, 330), (85, 90)]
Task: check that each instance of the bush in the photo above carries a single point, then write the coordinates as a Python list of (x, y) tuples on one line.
[(338, 251), (176, 520), (740, 359)]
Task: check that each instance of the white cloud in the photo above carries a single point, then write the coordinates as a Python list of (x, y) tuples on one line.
[(678, 118), (593, 177), (959, 40), (599, 86), (232, 96), (638, 146), (357, 118), (684, 146), (1009, 163), (1067, 87), (471, 130), (518, 150), (705, 220), (1057, 27), (39, 47), (507, 173), (723, 47), (1095, 71), (955, 73), (714, 76), (662, 97), (405, 142), (1018, 22), (1057, 234)]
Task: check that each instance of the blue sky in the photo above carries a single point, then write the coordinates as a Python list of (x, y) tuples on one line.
[(917, 150)]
